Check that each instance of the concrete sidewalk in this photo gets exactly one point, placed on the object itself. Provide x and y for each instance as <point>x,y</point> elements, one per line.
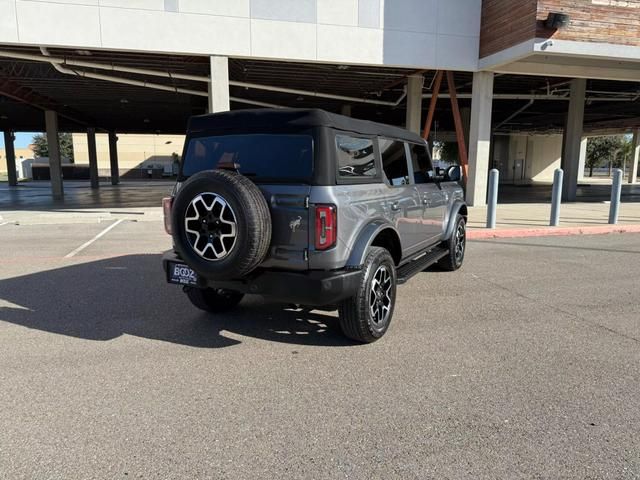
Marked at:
<point>513,220</point>
<point>532,219</point>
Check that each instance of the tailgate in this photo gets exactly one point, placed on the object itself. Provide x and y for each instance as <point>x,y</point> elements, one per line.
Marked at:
<point>290,226</point>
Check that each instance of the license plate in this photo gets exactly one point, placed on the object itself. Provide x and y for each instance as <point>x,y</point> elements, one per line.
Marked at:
<point>181,274</point>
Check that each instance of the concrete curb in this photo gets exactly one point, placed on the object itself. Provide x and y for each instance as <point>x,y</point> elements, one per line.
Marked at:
<point>480,234</point>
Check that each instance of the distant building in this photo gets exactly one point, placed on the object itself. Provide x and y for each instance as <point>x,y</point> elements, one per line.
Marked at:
<point>137,154</point>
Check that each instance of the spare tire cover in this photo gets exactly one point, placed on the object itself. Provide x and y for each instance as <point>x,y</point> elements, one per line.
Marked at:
<point>221,224</point>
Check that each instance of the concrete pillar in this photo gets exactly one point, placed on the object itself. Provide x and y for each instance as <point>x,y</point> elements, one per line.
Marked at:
<point>219,85</point>
<point>414,103</point>
<point>55,161</point>
<point>583,158</point>
<point>635,157</point>
<point>480,138</point>
<point>113,158</point>
<point>573,139</point>
<point>11,158</point>
<point>93,158</point>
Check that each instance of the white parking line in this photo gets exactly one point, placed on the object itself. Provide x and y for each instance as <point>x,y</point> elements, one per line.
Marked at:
<point>101,234</point>
<point>4,223</point>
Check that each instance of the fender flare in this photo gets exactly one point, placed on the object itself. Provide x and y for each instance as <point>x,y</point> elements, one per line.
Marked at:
<point>455,209</point>
<point>365,238</point>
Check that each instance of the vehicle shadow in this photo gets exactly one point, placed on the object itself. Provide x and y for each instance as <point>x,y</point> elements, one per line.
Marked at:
<point>102,300</point>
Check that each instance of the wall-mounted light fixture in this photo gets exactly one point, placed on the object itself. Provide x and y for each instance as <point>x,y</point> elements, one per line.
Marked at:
<point>556,20</point>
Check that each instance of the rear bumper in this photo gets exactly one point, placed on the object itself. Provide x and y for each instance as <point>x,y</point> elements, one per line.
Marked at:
<point>313,288</point>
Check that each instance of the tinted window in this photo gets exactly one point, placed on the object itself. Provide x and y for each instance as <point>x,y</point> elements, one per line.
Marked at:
<point>355,157</point>
<point>421,163</point>
<point>259,156</point>
<point>394,162</point>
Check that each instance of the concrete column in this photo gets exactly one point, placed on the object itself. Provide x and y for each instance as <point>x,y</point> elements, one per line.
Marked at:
<point>573,139</point>
<point>414,103</point>
<point>93,158</point>
<point>583,157</point>
<point>219,85</point>
<point>635,157</point>
<point>480,138</point>
<point>113,158</point>
<point>11,158</point>
<point>55,162</point>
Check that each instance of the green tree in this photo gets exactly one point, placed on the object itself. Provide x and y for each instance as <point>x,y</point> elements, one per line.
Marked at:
<point>41,146</point>
<point>449,152</point>
<point>605,150</point>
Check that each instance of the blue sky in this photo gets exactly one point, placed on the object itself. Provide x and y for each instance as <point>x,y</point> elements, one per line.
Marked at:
<point>22,139</point>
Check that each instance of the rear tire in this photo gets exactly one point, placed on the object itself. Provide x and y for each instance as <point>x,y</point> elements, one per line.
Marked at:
<point>366,316</point>
<point>457,246</point>
<point>213,300</point>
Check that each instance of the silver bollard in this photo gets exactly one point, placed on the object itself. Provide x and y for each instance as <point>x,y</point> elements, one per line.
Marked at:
<point>492,204</point>
<point>616,190</point>
<point>556,197</point>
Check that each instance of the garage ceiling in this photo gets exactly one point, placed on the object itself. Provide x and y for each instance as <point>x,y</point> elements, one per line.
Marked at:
<point>28,87</point>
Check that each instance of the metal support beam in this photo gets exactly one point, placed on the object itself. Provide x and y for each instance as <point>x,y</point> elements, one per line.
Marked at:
<point>113,158</point>
<point>55,161</point>
<point>11,158</point>
<point>437,83</point>
<point>465,113</point>
<point>457,120</point>
<point>219,85</point>
<point>414,102</point>
<point>480,138</point>
<point>573,139</point>
<point>93,158</point>
<point>635,157</point>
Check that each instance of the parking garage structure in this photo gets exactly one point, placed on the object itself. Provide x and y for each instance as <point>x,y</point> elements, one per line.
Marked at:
<point>526,86</point>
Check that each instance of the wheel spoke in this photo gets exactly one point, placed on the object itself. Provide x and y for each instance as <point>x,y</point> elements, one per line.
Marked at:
<point>211,226</point>
<point>380,296</point>
<point>460,241</point>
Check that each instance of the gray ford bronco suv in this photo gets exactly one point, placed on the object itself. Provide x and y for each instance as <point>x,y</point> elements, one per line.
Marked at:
<point>309,208</point>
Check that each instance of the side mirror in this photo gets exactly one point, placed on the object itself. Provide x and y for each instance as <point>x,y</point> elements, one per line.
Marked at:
<point>454,173</point>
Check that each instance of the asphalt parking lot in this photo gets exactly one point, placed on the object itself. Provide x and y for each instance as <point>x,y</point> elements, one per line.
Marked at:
<point>524,364</point>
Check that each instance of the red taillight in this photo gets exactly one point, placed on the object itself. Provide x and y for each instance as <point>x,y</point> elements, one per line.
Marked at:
<point>166,210</point>
<point>326,226</point>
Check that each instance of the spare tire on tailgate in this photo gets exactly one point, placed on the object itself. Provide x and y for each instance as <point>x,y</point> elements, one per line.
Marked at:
<point>221,224</point>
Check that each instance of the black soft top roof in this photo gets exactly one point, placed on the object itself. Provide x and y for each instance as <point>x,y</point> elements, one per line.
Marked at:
<point>252,120</point>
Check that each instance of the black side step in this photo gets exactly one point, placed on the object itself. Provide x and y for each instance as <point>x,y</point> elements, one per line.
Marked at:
<point>421,262</point>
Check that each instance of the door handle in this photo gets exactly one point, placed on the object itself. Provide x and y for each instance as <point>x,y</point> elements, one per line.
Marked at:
<point>395,206</point>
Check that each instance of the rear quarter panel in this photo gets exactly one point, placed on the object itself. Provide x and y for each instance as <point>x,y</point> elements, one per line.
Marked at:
<point>358,206</point>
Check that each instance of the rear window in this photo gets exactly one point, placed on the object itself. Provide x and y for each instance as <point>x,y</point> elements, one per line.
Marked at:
<point>355,157</point>
<point>272,156</point>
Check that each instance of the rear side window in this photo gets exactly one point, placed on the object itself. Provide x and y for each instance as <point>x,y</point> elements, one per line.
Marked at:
<point>260,156</point>
<point>356,158</point>
<point>421,162</point>
<point>394,162</point>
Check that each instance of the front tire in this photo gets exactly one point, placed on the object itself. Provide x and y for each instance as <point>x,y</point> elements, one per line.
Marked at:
<point>457,246</point>
<point>366,316</point>
<point>213,300</point>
